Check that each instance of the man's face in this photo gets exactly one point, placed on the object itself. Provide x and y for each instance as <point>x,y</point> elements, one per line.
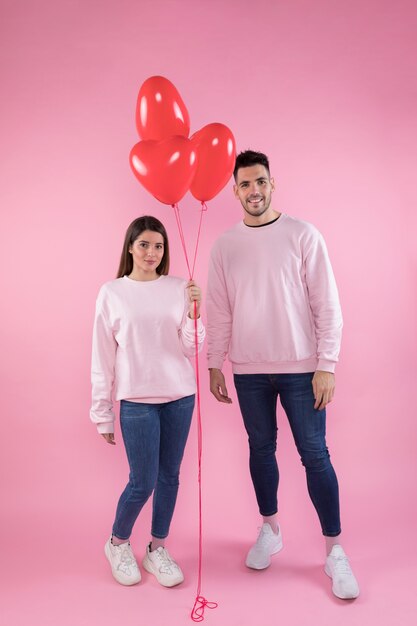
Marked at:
<point>254,189</point>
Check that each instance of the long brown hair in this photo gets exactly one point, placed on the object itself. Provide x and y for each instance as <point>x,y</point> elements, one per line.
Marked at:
<point>146,222</point>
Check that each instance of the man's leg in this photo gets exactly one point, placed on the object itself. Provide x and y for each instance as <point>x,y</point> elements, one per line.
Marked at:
<point>258,400</point>
<point>308,426</point>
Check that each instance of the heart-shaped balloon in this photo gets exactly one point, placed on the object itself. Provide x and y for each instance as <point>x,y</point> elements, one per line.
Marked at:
<point>165,168</point>
<point>216,152</point>
<point>160,110</point>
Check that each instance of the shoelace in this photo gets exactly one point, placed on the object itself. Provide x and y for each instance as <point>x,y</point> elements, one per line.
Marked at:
<point>126,558</point>
<point>342,565</point>
<point>263,536</point>
<point>166,564</point>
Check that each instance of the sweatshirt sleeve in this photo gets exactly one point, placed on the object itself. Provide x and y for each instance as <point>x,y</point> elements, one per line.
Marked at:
<point>187,331</point>
<point>102,369</point>
<point>324,302</point>
<point>219,314</point>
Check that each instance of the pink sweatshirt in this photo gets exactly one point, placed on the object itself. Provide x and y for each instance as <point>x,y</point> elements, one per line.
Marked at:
<point>141,343</point>
<point>272,300</point>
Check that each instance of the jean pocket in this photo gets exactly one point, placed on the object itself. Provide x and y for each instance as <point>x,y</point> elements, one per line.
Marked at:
<point>186,402</point>
<point>129,410</point>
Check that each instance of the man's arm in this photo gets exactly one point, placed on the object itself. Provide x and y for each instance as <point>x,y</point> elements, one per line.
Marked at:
<point>327,316</point>
<point>219,326</point>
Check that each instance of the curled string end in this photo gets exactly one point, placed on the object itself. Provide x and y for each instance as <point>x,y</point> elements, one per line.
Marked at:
<point>197,614</point>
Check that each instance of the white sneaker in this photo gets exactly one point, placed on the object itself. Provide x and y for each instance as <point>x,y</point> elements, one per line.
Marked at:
<point>345,585</point>
<point>159,563</point>
<point>267,543</point>
<point>123,563</point>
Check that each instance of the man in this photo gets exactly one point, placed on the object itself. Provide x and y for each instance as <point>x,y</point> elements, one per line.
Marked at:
<point>273,308</point>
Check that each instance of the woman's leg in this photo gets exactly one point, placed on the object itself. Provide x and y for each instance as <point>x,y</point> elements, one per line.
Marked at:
<point>175,420</point>
<point>141,436</point>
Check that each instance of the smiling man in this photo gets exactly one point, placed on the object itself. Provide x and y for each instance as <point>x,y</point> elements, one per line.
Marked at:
<point>273,309</point>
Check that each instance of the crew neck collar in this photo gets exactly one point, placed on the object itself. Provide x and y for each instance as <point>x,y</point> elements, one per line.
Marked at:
<point>144,282</point>
<point>262,225</point>
<point>276,220</point>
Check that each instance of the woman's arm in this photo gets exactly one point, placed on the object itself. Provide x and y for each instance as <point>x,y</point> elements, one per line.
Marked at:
<point>187,331</point>
<point>102,369</point>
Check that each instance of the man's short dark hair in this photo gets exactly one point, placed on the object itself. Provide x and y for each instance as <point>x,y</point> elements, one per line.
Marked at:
<point>249,158</point>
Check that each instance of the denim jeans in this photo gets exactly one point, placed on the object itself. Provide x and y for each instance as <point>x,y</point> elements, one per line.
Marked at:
<point>257,394</point>
<point>154,436</point>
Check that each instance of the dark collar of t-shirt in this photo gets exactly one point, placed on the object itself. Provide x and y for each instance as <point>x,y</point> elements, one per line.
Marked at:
<point>260,225</point>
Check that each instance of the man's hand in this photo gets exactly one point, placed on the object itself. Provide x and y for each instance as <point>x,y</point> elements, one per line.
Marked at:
<point>109,437</point>
<point>218,386</point>
<point>323,388</point>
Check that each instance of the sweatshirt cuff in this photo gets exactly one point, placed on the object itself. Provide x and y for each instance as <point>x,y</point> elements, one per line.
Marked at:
<point>326,366</point>
<point>189,323</point>
<point>105,427</point>
<point>216,362</point>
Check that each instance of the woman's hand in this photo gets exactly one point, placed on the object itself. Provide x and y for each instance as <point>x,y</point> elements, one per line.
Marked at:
<point>109,437</point>
<point>194,293</point>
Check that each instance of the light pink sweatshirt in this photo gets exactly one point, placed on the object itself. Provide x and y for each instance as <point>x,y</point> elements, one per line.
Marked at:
<point>272,300</point>
<point>141,343</point>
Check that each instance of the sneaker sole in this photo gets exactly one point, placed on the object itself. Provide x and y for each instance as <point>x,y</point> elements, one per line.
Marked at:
<point>121,582</point>
<point>277,549</point>
<point>150,568</point>
<point>329,574</point>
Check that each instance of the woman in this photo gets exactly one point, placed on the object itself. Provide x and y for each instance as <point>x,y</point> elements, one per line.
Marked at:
<point>144,332</point>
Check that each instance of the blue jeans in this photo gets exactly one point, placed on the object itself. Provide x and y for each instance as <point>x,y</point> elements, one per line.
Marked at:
<point>257,394</point>
<point>154,436</point>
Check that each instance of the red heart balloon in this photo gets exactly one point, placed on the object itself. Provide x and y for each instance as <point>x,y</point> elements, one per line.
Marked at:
<point>165,168</point>
<point>216,152</point>
<point>160,110</point>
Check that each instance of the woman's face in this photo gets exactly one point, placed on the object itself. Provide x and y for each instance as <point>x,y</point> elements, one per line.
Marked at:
<point>147,252</point>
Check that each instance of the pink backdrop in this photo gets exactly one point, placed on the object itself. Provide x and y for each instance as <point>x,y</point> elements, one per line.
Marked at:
<point>328,90</point>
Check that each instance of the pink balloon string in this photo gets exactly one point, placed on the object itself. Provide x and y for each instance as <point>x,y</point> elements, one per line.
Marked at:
<point>182,238</point>
<point>197,613</point>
